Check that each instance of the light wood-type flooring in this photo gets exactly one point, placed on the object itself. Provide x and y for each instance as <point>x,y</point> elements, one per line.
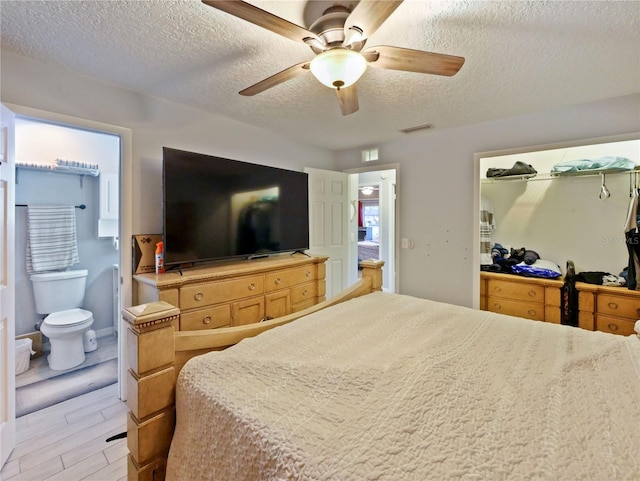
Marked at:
<point>67,441</point>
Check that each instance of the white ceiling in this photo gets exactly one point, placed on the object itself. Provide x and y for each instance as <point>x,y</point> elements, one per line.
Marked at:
<point>521,56</point>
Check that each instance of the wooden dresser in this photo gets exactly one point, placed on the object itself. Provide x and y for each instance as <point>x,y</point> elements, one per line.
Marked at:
<point>236,293</point>
<point>601,308</point>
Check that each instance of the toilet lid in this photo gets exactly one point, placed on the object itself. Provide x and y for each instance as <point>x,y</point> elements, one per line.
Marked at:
<point>70,317</point>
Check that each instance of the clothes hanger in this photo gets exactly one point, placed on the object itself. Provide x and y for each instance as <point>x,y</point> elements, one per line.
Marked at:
<point>604,192</point>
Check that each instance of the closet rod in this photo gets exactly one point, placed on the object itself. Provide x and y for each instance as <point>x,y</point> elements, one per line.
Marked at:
<point>81,206</point>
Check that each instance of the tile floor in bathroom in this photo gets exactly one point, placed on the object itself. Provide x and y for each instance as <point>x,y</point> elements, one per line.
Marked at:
<point>67,441</point>
<point>39,368</point>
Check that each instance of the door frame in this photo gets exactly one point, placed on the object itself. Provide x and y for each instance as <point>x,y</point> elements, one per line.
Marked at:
<point>396,225</point>
<point>126,214</point>
<point>7,286</point>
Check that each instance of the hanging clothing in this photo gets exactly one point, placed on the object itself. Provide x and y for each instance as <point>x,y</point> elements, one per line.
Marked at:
<point>487,226</point>
<point>632,238</point>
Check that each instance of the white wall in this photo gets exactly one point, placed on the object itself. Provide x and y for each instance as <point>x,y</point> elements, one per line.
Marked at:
<point>563,218</point>
<point>439,191</point>
<point>155,123</point>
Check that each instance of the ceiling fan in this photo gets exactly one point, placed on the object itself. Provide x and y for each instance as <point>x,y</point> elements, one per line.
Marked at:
<point>338,38</point>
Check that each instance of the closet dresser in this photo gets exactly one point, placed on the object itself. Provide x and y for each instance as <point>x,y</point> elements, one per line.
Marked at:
<point>236,293</point>
<point>601,308</point>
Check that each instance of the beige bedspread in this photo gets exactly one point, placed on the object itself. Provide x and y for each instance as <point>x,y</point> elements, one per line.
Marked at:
<point>390,387</point>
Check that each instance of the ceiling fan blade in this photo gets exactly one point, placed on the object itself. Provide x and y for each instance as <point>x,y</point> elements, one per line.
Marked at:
<point>348,99</point>
<point>264,19</point>
<point>280,77</point>
<point>366,18</point>
<point>398,58</point>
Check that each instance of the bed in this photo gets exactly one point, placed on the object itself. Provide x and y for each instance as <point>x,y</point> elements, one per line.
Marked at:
<point>392,387</point>
<point>368,250</point>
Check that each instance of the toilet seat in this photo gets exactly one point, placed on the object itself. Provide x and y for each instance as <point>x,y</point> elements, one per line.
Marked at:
<point>68,318</point>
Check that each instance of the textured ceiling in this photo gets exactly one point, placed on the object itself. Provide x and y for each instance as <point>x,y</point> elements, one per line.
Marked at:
<point>521,56</point>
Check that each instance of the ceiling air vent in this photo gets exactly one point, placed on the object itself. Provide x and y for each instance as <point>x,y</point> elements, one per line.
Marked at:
<point>410,130</point>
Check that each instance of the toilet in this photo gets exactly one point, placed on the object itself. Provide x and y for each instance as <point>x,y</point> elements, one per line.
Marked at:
<point>59,296</point>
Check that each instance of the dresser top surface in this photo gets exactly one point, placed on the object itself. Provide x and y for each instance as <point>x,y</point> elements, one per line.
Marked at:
<point>223,270</point>
<point>558,282</point>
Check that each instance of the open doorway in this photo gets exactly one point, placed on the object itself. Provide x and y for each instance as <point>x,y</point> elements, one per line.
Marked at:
<point>111,283</point>
<point>58,167</point>
<point>374,197</point>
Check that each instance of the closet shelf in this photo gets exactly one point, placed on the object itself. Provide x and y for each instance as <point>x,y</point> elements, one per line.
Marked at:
<point>550,176</point>
<point>60,169</point>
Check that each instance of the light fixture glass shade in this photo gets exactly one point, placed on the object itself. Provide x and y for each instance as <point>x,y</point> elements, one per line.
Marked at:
<point>367,190</point>
<point>338,68</point>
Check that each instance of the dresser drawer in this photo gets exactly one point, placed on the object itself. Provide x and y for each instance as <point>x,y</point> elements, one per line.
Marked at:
<point>303,292</point>
<point>552,314</point>
<point>290,277</point>
<point>618,306</point>
<point>527,310</point>
<point>207,318</point>
<point>217,292</point>
<point>517,291</point>
<point>303,305</point>
<point>614,325</point>
<point>552,296</point>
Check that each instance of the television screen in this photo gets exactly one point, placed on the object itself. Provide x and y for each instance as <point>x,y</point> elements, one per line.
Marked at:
<point>216,208</point>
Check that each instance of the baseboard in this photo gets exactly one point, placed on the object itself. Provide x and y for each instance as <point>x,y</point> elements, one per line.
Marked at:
<point>107,331</point>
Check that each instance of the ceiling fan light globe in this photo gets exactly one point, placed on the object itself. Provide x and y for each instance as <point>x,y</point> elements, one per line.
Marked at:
<point>338,68</point>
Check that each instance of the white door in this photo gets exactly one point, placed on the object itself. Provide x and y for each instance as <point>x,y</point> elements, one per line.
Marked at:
<point>328,224</point>
<point>7,288</point>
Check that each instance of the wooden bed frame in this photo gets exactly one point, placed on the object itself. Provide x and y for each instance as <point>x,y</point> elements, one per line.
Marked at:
<point>156,353</point>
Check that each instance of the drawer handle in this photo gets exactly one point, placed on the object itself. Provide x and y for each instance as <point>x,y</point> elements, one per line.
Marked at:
<point>532,312</point>
<point>305,292</point>
<point>252,287</point>
<point>497,289</point>
<point>497,306</point>
<point>532,293</point>
<point>308,273</point>
<point>206,320</point>
<point>278,281</point>
<point>199,296</point>
<point>612,326</point>
<point>613,305</point>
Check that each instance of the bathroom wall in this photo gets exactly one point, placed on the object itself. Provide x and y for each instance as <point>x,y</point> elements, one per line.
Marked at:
<point>42,143</point>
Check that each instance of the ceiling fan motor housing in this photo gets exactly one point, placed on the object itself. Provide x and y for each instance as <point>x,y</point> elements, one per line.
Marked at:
<point>330,27</point>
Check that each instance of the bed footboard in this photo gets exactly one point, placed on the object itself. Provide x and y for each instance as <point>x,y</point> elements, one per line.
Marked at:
<point>156,352</point>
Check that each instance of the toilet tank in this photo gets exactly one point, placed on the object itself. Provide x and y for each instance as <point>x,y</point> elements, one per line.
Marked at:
<point>58,291</point>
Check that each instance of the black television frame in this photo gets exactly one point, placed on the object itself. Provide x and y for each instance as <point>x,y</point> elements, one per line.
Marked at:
<point>200,192</point>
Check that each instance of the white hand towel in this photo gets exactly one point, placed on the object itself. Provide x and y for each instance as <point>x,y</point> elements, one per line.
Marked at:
<point>51,238</point>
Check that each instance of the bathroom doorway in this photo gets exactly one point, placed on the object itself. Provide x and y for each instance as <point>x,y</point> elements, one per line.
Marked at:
<point>47,138</point>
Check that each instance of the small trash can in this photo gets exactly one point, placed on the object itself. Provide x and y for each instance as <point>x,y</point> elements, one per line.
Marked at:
<point>89,341</point>
<point>23,354</point>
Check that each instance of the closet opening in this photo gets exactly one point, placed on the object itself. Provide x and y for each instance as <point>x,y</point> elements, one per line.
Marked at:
<point>563,202</point>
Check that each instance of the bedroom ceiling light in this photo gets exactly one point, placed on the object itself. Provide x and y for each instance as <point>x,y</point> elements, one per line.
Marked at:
<point>338,67</point>
<point>367,190</point>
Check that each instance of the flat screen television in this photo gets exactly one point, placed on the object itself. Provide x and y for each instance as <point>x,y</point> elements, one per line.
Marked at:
<point>216,208</point>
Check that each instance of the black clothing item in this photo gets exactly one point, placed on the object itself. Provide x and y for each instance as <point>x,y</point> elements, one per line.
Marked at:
<point>592,277</point>
<point>530,257</point>
<point>569,298</point>
<point>519,168</point>
<point>633,246</point>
